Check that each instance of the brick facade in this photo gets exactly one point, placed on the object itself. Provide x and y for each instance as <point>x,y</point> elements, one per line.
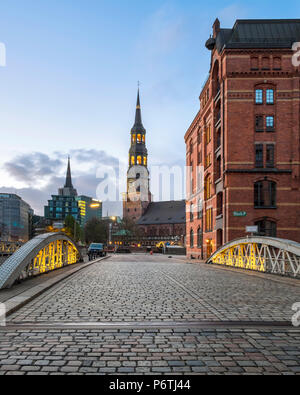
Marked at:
<point>246,136</point>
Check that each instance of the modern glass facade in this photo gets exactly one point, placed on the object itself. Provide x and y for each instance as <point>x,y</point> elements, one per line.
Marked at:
<point>60,207</point>
<point>15,218</point>
<point>67,202</point>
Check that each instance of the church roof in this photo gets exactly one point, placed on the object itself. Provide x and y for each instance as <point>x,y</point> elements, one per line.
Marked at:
<point>259,33</point>
<point>172,212</point>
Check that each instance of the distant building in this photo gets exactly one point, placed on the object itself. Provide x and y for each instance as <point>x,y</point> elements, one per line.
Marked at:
<point>157,221</point>
<point>15,218</point>
<point>67,202</point>
<point>89,208</point>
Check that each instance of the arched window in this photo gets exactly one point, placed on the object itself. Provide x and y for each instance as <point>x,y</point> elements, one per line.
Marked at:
<point>192,208</point>
<point>145,161</point>
<point>265,63</point>
<point>208,188</point>
<point>200,208</point>
<point>277,63</point>
<point>192,238</point>
<point>199,237</point>
<point>267,228</point>
<point>139,160</point>
<point>139,138</point>
<point>133,138</point>
<point>144,138</point>
<point>265,194</point>
<point>254,63</point>
<point>133,160</point>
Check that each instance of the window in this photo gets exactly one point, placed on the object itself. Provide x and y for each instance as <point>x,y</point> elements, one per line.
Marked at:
<point>259,96</point>
<point>199,139</point>
<point>265,194</point>
<point>199,238</point>
<point>267,228</point>
<point>270,96</point>
<point>208,160</point>
<point>220,204</point>
<point>209,220</point>
<point>145,161</point>
<point>218,172</point>
<point>133,160</point>
<point>254,63</point>
<point>266,63</point>
<point>133,138</point>
<point>192,238</point>
<point>270,155</point>
<point>199,157</point>
<point>259,123</point>
<point>139,160</point>
<point>139,138</point>
<point>192,213</point>
<point>200,209</point>
<point>270,122</point>
<point>259,155</point>
<point>208,188</point>
<point>208,134</point>
<point>277,63</point>
<point>144,139</point>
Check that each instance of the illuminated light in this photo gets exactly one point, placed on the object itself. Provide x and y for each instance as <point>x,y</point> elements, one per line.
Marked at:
<point>54,256</point>
<point>95,205</point>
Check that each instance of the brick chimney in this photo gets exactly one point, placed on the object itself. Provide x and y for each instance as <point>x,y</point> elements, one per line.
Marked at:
<point>216,28</point>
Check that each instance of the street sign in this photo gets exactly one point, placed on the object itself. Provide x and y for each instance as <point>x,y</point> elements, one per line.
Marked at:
<point>251,229</point>
<point>239,214</point>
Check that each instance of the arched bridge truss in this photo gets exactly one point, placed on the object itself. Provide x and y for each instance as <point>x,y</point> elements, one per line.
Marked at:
<point>263,254</point>
<point>40,255</point>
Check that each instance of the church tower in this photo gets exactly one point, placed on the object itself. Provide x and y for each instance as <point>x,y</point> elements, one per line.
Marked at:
<point>138,196</point>
<point>68,189</point>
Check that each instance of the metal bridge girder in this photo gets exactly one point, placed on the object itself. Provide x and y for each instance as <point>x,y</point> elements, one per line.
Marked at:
<point>265,254</point>
<point>40,255</point>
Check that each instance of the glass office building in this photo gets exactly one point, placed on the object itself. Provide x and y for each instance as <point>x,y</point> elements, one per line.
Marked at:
<point>67,202</point>
<point>15,218</point>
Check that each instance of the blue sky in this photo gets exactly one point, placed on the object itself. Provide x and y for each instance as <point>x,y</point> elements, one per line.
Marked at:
<point>69,86</point>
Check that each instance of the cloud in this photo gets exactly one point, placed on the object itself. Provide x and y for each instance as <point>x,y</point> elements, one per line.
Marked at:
<point>41,175</point>
<point>29,167</point>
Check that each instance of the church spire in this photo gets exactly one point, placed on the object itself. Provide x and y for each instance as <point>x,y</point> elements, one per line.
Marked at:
<point>68,189</point>
<point>138,125</point>
<point>68,183</point>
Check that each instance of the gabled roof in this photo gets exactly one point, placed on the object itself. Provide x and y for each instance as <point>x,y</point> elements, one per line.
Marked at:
<point>260,33</point>
<point>172,212</point>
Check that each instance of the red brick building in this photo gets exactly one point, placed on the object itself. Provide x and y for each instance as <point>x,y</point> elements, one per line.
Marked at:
<point>246,137</point>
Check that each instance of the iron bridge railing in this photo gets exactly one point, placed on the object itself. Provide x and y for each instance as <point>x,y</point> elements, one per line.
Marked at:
<point>263,254</point>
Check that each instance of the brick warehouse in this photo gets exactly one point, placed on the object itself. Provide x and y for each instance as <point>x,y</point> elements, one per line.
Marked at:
<point>246,138</point>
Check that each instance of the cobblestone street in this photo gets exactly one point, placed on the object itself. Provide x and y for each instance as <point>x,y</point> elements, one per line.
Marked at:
<point>142,314</point>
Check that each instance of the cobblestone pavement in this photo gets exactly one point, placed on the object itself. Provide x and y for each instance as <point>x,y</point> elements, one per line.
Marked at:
<point>144,288</point>
<point>191,304</point>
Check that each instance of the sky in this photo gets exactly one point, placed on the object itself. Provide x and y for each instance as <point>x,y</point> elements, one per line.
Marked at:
<point>70,83</point>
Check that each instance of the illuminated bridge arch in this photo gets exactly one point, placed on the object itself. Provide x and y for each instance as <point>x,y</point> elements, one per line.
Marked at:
<point>264,254</point>
<point>42,254</point>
